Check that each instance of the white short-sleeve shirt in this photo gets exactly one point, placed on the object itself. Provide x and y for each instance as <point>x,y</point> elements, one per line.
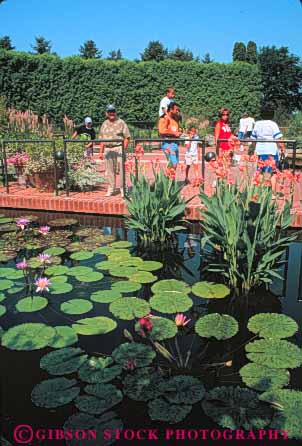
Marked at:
<point>163,104</point>
<point>266,130</point>
<point>246,124</point>
<point>192,146</point>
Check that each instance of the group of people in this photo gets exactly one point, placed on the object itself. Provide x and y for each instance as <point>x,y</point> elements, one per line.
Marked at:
<point>263,132</point>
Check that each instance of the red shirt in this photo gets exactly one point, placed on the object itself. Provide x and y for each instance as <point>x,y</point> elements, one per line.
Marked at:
<point>225,132</point>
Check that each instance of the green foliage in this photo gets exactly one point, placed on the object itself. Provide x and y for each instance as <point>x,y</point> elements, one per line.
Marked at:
<point>156,210</point>
<point>41,45</point>
<point>162,410</point>
<point>239,52</point>
<point>30,336</point>
<point>142,354</point>
<point>263,378</point>
<point>63,361</point>
<point>171,303</point>
<point>219,326</point>
<point>97,370</point>
<point>107,397</point>
<point>143,384</point>
<point>55,392</point>
<point>274,353</point>
<point>31,304</point>
<point>251,52</point>
<point>89,50</point>
<point>94,325</point>
<point>64,337</point>
<point>84,87</point>
<point>162,329</point>
<point>154,51</point>
<point>129,308</point>
<point>76,306</point>
<point>6,43</point>
<point>210,290</point>
<point>181,54</point>
<point>272,325</point>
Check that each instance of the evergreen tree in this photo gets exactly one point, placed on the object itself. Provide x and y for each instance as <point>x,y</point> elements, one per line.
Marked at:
<point>207,58</point>
<point>6,43</point>
<point>89,50</point>
<point>181,54</point>
<point>115,55</point>
<point>251,52</point>
<point>42,45</point>
<point>154,51</point>
<point>239,52</point>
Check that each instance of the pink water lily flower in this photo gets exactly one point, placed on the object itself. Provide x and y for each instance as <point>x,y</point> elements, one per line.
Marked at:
<point>44,230</point>
<point>44,258</point>
<point>22,265</point>
<point>22,222</point>
<point>42,284</point>
<point>181,320</point>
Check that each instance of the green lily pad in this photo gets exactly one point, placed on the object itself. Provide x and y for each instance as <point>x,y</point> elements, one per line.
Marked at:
<point>210,290</point>
<point>219,326</point>
<point>105,296</point>
<point>79,271</point>
<point>95,405</point>
<point>161,410</point>
<point>263,378</point>
<point>31,304</point>
<point>150,265</point>
<point>2,297</point>
<point>120,254</point>
<point>123,271</point>
<point>82,255</point>
<point>162,329</point>
<point>62,222</point>
<point>126,286</point>
<point>108,393</point>
<point>94,325</point>
<point>121,244</point>
<point>274,353</point>
<point>55,251</point>
<point>287,406</point>
<point>11,273</point>
<point>64,337</point>
<point>63,361</point>
<point>6,256</point>
<point>15,289</point>
<point>272,325</point>
<point>105,250</point>
<point>141,354</point>
<point>143,277</point>
<point>60,288</point>
<point>93,276</point>
<point>97,370</point>
<point>182,389</point>
<point>56,270</point>
<point>54,392</point>
<point>143,384</point>
<point>236,408</point>
<point>2,310</point>
<point>4,220</point>
<point>9,227</point>
<point>30,336</point>
<point>5,284</point>
<point>133,261</point>
<point>129,308</point>
<point>4,271</point>
<point>56,280</point>
<point>76,306</point>
<point>88,232</point>
<point>170,302</point>
<point>171,286</point>
<point>106,265</point>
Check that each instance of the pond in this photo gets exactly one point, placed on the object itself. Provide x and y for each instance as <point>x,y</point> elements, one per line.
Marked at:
<point>94,268</point>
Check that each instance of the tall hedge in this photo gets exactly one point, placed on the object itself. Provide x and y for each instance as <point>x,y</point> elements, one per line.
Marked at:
<point>77,87</point>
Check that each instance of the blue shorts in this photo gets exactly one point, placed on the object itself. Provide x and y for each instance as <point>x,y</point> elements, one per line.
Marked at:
<point>241,135</point>
<point>173,153</point>
<point>265,158</point>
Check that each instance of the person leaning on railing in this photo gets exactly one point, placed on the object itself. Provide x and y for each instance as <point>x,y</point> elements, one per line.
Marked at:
<point>113,128</point>
<point>168,127</point>
<point>89,132</point>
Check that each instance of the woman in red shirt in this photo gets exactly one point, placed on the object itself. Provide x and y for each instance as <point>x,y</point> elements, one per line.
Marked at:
<point>223,130</point>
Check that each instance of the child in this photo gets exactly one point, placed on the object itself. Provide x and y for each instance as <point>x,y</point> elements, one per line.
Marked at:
<point>191,156</point>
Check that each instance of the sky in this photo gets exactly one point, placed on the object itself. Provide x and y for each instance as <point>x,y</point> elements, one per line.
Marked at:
<point>200,26</point>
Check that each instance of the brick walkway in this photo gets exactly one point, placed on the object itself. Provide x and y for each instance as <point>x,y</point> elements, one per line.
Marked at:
<point>95,202</point>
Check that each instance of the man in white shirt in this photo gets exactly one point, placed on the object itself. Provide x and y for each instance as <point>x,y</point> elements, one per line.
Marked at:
<point>166,101</point>
<point>246,125</point>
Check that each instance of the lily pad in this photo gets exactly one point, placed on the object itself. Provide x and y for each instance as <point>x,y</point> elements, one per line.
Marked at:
<point>2,310</point>
<point>8,255</point>
<point>95,405</point>
<point>9,227</point>
<point>126,286</point>
<point>108,393</point>
<point>79,271</point>
<point>4,220</point>
<point>63,361</point>
<point>263,378</point>
<point>15,289</point>
<point>272,325</point>
<point>161,410</point>
<point>30,336</point>
<point>54,251</point>
<point>219,326</point>
<point>55,392</point>
<point>106,265</point>
<point>143,277</point>
<point>94,325</point>
<point>182,389</point>
<point>88,232</point>
<point>162,329</point>
<point>274,353</point>
<point>133,261</point>
<point>105,296</point>
<point>287,406</point>
<point>210,290</point>
<point>2,297</point>
<point>171,286</point>
<point>124,271</point>
<point>5,284</point>
<point>170,302</point>
<point>236,408</point>
<point>11,273</point>
<point>62,222</point>
<point>129,308</point>
<point>64,337</point>
<point>31,304</point>
<point>76,306</point>
<point>150,265</point>
<point>142,355</point>
<point>56,280</point>
<point>121,244</point>
<point>105,250</point>
<point>56,270</point>
<point>97,370</point>
<point>142,384</point>
<point>93,276</point>
<point>82,255</point>
<point>60,288</point>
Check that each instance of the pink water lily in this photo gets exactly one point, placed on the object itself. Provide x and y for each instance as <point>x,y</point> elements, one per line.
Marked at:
<point>44,230</point>
<point>44,258</point>
<point>130,365</point>
<point>22,265</point>
<point>42,284</point>
<point>181,320</point>
<point>22,222</point>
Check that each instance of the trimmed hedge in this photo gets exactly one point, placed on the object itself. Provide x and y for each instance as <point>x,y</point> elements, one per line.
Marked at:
<point>79,87</point>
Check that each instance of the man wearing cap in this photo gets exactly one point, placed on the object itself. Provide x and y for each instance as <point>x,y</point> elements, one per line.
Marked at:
<point>113,128</point>
<point>87,130</point>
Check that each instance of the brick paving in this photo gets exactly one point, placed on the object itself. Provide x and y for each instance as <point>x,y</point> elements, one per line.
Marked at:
<point>96,202</point>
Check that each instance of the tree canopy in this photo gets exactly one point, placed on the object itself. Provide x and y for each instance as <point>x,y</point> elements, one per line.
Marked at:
<point>89,50</point>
